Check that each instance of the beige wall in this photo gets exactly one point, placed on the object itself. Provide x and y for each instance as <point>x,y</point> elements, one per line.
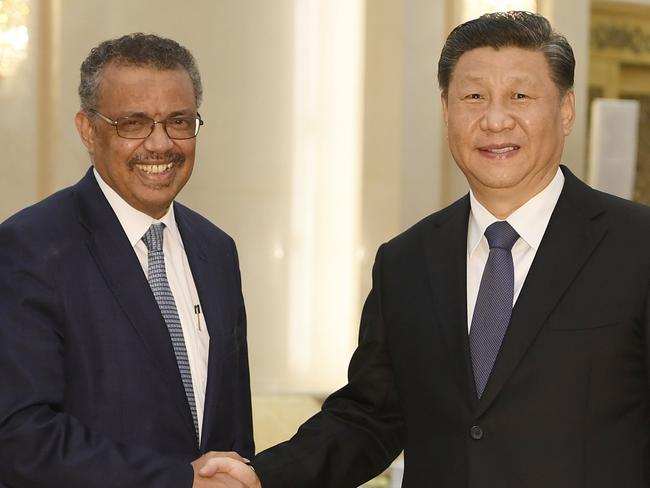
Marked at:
<point>403,178</point>
<point>241,179</point>
<point>571,18</point>
<point>18,130</point>
<point>245,178</point>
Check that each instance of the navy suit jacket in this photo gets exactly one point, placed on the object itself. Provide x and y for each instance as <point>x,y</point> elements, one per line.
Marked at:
<point>90,393</point>
<point>568,401</point>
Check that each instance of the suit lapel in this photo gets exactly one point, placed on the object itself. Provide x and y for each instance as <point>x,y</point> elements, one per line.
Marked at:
<point>446,254</point>
<point>572,235</point>
<point>209,275</point>
<point>123,273</point>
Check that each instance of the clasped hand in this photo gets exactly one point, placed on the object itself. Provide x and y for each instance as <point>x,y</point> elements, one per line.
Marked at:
<point>223,470</point>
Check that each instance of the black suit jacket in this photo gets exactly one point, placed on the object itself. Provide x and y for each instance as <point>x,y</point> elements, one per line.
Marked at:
<point>567,404</point>
<point>90,393</point>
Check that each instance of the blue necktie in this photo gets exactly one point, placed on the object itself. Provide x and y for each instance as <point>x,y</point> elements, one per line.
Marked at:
<point>153,239</point>
<point>493,303</point>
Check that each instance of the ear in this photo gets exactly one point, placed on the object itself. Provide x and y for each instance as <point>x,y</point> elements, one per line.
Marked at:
<point>445,113</point>
<point>86,130</point>
<point>568,111</point>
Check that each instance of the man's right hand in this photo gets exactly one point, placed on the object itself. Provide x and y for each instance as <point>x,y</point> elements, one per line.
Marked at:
<point>228,469</point>
<point>213,474</point>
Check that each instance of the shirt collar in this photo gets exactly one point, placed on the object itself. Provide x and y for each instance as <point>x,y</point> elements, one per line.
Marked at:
<point>134,222</point>
<point>529,220</point>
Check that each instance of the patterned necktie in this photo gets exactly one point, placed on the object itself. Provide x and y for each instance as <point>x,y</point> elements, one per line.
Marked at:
<point>153,239</point>
<point>493,303</point>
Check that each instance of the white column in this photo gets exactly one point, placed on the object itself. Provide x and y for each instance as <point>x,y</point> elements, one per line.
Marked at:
<point>326,192</point>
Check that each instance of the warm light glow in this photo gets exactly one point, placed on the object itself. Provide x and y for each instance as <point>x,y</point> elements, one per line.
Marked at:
<point>14,35</point>
<point>325,196</point>
<point>475,8</point>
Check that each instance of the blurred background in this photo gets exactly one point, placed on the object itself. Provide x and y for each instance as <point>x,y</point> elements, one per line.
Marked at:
<point>323,139</point>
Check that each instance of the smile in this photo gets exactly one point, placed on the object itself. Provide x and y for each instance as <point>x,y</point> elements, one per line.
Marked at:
<point>500,150</point>
<point>154,168</point>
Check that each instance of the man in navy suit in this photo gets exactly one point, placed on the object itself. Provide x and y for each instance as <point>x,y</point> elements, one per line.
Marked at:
<point>505,341</point>
<point>123,356</point>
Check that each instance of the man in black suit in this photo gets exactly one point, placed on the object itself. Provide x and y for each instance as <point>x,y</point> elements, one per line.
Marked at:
<point>505,339</point>
<point>123,357</point>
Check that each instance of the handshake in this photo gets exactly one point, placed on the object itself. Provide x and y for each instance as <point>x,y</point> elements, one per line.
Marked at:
<point>224,470</point>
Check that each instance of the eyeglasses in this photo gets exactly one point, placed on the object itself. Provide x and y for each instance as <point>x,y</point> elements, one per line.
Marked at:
<point>141,127</point>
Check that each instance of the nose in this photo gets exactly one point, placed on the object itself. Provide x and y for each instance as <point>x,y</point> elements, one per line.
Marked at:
<point>158,140</point>
<point>497,117</point>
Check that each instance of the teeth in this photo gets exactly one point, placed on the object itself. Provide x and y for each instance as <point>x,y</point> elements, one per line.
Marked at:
<point>502,150</point>
<point>154,168</point>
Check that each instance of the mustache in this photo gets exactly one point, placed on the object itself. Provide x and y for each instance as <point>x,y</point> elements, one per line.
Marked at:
<point>157,158</point>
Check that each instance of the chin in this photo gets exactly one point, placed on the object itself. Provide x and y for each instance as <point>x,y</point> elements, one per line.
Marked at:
<point>499,182</point>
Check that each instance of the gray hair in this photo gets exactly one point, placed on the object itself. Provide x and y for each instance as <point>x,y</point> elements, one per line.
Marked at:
<point>136,49</point>
<point>509,29</point>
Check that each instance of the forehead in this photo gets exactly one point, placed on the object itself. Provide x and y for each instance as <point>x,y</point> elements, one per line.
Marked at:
<point>487,64</point>
<point>129,83</point>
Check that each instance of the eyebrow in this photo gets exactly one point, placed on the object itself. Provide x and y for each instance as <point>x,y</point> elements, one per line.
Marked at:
<point>175,113</point>
<point>182,113</point>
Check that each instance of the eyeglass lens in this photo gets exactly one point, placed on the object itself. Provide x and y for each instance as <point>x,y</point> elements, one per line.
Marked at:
<point>142,127</point>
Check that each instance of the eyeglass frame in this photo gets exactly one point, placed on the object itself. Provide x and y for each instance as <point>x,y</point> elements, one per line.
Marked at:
<point>114,123</point>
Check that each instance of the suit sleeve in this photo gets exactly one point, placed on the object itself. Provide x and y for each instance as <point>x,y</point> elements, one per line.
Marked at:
<point>359,430</point>
<point>40,444</point>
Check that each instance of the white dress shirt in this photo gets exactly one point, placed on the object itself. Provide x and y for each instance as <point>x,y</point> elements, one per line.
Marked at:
<point>181,282</point>
<point>529,220</point>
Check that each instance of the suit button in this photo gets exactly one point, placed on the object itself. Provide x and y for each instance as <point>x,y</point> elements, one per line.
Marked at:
<point>476,432</point>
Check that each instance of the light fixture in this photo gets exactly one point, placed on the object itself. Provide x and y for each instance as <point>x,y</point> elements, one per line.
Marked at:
<point>14,35</point>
